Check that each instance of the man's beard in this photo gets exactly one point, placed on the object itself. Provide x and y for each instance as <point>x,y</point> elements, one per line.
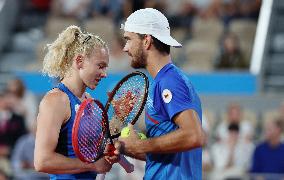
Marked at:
<point>139,60</point>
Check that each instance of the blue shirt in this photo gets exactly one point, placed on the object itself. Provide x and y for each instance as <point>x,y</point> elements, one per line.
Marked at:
<point>171,93</point>
<point>64,145</point>
<point>267,159</point>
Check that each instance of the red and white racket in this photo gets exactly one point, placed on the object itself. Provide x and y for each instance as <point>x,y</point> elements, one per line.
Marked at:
<point>90,134</point>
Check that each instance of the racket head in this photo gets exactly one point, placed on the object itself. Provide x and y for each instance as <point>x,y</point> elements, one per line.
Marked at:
<point>90,131</point>
<point>126,101</point>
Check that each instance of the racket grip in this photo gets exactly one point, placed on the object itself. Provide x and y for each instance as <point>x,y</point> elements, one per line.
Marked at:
<point>127,166</point>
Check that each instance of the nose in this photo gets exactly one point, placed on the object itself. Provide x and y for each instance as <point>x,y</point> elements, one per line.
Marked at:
<point>125,48</point>
<point>104,74</point>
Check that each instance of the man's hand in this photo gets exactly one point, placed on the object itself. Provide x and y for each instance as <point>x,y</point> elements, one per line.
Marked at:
<point>129,144</point>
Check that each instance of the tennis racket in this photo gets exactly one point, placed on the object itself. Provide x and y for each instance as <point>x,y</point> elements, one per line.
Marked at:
<point>90,134</point>
<point>126,102</point>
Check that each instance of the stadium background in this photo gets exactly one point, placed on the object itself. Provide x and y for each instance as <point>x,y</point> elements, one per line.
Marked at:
<point>233,53</point>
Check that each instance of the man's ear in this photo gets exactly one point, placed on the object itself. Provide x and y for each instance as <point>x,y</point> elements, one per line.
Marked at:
<point>147,41</point>
<point>79,61</point>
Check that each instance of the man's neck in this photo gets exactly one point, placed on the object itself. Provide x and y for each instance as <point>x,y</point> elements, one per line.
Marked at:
<point>274,142</point>
<point>156,61</point>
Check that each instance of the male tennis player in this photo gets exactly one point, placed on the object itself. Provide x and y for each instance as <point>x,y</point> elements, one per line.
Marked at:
<point>79,60</point>
<point>173,109</point>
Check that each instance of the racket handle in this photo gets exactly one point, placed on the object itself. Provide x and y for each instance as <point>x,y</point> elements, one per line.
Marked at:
<point>127,166</point>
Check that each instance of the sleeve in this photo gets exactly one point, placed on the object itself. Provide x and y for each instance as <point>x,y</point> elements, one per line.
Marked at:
<point>175,96</point>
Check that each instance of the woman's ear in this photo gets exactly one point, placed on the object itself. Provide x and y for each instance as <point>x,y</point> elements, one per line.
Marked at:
<point>79,61</point>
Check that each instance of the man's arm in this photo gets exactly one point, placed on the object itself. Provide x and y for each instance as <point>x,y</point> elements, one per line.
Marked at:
<point>53,111</point>
<point>188,136</point>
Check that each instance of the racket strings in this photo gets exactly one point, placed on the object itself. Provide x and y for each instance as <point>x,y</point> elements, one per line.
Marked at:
<point>126,103</point>
<point>92,132</point>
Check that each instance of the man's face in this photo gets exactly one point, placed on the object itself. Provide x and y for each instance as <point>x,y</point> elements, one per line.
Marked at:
<point>134,48</point>
<point>271,131</point>
<point>234,114</point>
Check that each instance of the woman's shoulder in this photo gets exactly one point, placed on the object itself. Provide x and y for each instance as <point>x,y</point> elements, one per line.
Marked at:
<point>55,104</point>
<point>55,96</point>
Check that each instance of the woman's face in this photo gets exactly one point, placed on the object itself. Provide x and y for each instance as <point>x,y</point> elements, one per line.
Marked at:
<point>94,67</point>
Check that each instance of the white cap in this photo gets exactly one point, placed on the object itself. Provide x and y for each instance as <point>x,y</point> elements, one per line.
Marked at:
<point>153,22</point>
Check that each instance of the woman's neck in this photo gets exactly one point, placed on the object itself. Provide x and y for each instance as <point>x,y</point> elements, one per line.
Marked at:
<point>75,85</point>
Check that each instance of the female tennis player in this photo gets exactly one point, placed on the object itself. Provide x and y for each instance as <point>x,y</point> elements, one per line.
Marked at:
<point>79,60</point>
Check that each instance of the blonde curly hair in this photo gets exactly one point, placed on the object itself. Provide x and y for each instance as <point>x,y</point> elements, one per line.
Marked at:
<point>70,42</point>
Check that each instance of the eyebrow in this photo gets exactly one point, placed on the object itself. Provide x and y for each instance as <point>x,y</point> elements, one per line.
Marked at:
<point>127,37</point>
<point>103,63</point>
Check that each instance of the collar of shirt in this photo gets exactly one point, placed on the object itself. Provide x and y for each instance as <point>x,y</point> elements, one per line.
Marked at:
<point>162,71</point>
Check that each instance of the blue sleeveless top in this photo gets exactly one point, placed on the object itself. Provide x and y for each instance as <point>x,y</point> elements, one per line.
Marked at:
<point>64,145</point>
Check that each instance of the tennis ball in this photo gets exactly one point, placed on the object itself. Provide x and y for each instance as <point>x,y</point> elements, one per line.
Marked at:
<point>142,136</point>
<point>125,132</point>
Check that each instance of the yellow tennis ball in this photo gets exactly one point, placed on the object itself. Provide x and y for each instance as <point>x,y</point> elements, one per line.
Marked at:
<point>125,132</point>
<point>142,136</point>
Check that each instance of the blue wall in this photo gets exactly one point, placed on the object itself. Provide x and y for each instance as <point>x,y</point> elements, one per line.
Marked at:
<point>205,83</point>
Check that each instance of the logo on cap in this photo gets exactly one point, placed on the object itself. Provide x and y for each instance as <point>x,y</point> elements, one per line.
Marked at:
<point>167,95</point>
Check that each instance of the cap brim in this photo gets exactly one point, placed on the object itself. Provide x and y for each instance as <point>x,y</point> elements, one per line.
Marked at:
<point>168,40</point>
<point>164,39</point>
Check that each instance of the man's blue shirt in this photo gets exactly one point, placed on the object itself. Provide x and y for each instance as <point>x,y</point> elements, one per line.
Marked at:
<point>171,93</point>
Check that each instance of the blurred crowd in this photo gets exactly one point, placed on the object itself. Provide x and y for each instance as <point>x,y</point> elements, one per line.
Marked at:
<point>216,34</point>
<point>242,143</point>
<point>18,108</point>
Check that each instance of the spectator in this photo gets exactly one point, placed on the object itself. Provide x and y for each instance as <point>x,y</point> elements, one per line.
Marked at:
<point>231,55</point>
<point>12,125</point>
<point>231,156</point>
<point>268,155</point>
<point>235,116</point>
<point>11,128</point>
<point>25,103</point>
<point>22,158</point>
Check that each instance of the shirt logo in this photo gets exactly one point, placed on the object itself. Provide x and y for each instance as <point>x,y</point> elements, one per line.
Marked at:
<point>167,95</point>
<point>76,107</point>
